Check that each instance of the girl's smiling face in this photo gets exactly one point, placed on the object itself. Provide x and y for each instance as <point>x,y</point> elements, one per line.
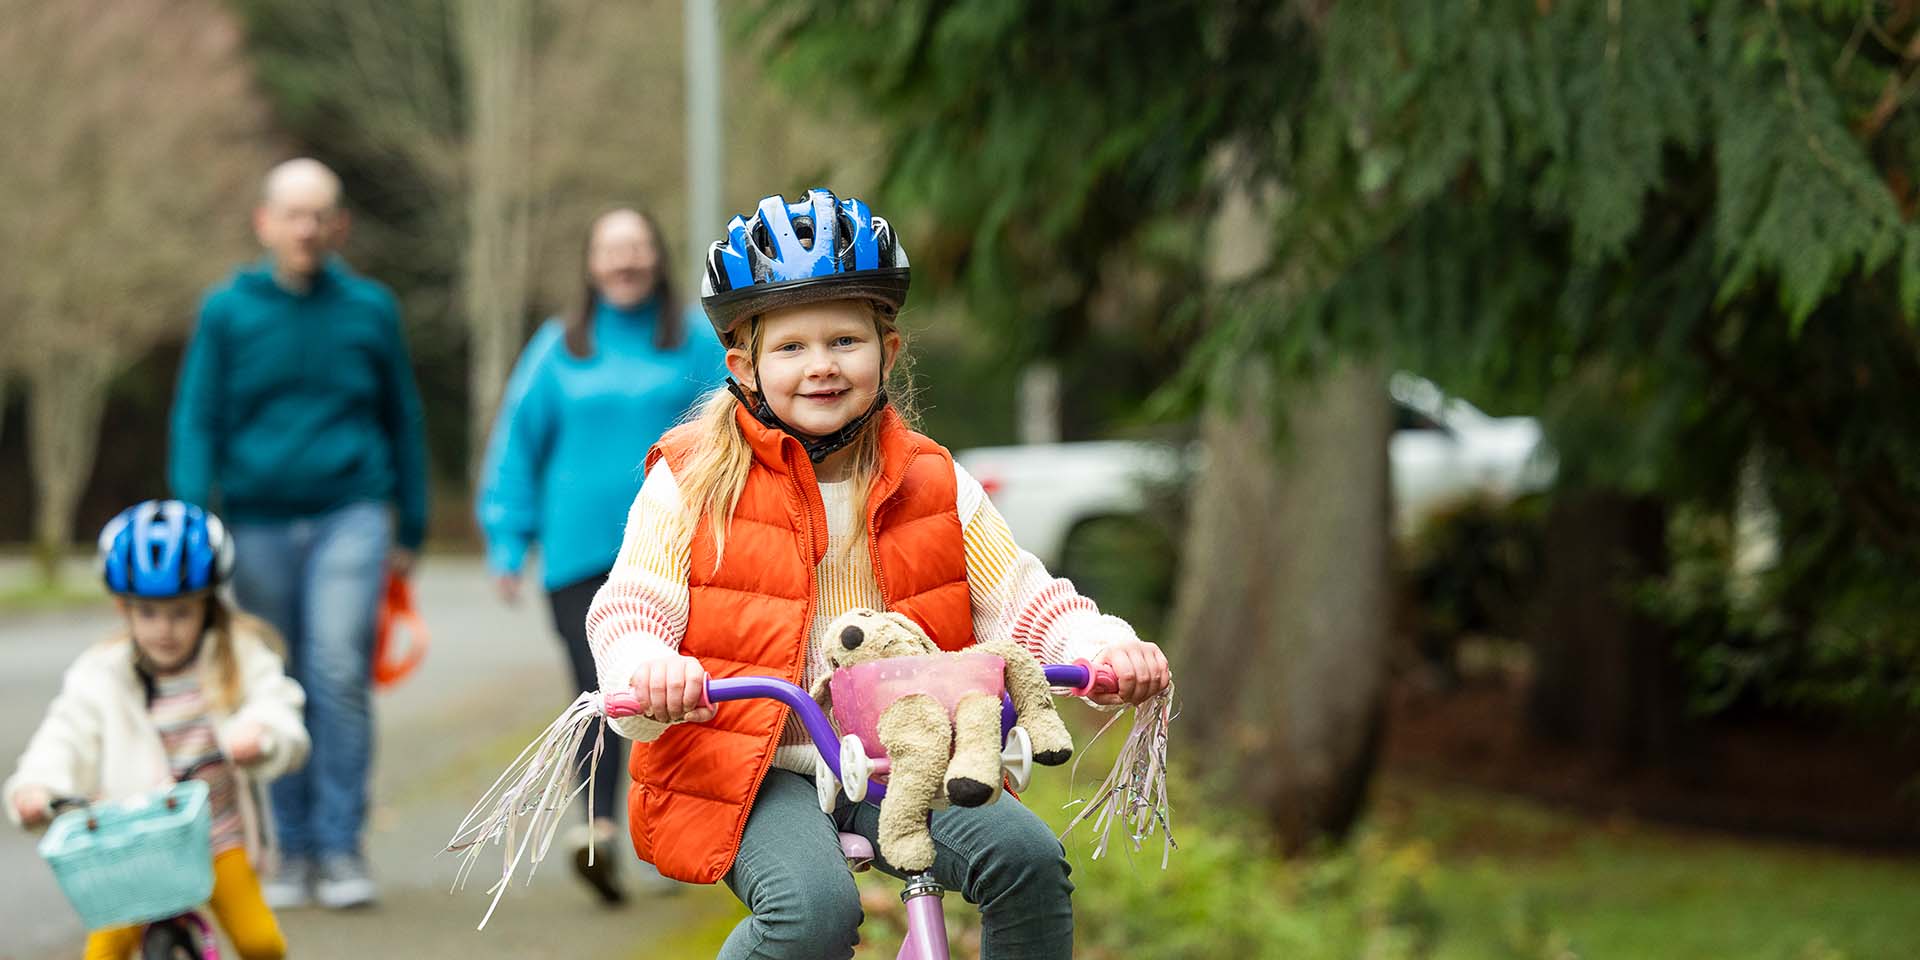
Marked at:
<point>166,631</point>
<point>820,365</point>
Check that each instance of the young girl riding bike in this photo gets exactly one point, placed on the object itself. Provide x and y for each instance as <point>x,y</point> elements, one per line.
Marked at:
<point>190,681</point>
<point>794,495</point>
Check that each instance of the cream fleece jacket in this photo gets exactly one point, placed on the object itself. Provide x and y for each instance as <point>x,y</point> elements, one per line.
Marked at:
<point>98,741</point>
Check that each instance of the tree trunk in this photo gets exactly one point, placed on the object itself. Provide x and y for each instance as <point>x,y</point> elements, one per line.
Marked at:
<point>496,45</point>
<point>64,404</point>
<point>1604,673</point>
<point>1282,617</point>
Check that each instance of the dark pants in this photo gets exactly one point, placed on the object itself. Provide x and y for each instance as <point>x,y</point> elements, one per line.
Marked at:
<point>794,881</point>
<point>569,604</point>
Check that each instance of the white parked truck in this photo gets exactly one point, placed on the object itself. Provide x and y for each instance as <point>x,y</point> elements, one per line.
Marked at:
<point>1442,450</point>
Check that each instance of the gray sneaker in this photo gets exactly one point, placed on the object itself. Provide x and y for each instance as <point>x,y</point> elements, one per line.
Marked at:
<point>291,886</point>
<point>342,882</point>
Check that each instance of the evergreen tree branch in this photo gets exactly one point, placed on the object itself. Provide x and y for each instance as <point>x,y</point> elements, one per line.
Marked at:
<point>1903,13</point>
<point>1894,94</point>
<point>1802,112</point>
<point>1861,28</point>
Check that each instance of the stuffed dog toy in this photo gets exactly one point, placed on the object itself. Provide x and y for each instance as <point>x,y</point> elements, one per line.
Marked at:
<point>934,752</point>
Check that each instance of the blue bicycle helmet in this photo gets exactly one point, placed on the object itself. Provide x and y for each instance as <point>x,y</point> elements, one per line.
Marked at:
<point>164,548</point>
<point>819,248</point>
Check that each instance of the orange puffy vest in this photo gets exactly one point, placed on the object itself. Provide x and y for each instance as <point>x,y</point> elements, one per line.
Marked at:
<point>693,787</point>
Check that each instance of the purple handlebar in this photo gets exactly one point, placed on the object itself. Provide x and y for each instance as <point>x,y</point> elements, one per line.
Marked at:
<point>1078,678</point>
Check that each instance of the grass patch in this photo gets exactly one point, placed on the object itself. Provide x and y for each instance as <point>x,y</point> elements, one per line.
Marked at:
<point>715,912</point>
<point>1438,873</point>
<point>70,593</point>
<point>1622,889</point>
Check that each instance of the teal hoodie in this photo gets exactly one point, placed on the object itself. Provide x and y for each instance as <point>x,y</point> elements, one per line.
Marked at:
<point>569,447</point>
<point>290,405</point>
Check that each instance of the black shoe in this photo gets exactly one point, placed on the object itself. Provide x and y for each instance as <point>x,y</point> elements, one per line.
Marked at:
<point>600,874</point>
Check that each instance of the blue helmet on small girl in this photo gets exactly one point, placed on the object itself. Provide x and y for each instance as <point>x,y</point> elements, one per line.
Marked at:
<point>161,549</point>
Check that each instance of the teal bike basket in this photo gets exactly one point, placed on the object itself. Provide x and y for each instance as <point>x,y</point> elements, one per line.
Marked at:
<point>134,861</point>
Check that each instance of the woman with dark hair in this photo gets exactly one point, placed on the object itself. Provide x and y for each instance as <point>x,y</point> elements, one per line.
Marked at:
<point>590,394</point>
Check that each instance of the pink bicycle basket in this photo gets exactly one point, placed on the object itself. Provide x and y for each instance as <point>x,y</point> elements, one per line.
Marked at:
<point>863,691</point>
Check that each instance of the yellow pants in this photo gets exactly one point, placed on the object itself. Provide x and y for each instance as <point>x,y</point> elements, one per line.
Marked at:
<point>236,904</point>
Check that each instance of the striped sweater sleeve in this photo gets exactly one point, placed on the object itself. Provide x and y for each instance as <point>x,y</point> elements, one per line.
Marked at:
<point>1015,598</point>
<point>640,613</point>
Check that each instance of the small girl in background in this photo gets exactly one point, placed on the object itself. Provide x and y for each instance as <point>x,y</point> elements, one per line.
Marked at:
<point>795,495</point>
<point>192,686</point>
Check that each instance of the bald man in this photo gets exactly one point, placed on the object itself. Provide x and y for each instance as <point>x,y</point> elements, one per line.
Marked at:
<point>296,416</point>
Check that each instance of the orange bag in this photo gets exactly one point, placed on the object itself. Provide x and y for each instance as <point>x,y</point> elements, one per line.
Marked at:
<point>393,663</point>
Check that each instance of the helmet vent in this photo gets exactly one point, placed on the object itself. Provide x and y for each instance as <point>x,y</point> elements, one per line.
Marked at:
<point>762,240</point>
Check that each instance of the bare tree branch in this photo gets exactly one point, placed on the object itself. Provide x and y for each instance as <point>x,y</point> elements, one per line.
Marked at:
<point>134,139</point>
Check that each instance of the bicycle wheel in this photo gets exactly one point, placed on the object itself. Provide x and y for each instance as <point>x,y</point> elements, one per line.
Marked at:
<point>169,940</point>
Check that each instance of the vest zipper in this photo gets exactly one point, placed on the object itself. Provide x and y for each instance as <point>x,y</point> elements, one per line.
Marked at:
<point>809,492</point>
<point>806,620</point>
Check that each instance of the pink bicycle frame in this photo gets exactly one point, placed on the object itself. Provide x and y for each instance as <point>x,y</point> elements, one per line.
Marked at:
<point>926,937</point>
<point>202,931</point>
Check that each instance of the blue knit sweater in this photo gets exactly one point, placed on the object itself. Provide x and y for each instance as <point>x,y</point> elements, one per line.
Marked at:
<point>567,453</point>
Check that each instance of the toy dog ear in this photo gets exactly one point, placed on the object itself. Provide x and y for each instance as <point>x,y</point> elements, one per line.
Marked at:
<point>822,693</point>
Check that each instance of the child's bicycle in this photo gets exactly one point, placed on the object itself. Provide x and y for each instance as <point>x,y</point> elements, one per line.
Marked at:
<point>844,766</point>
<point>522,809</point>
<point>140,861</point>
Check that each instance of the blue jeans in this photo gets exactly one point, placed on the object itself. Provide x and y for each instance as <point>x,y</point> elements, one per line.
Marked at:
<point>792,877</point>
<point>319,581</point>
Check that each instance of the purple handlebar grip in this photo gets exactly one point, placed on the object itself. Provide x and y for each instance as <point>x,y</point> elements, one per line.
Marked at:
<point>1073,675</point>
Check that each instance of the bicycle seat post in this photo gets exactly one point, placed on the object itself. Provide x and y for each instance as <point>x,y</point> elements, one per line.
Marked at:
<point>921,885</point>
<point>926,923</point>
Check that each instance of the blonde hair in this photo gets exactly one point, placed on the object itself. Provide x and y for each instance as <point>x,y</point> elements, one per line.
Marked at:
<point>223,682</point>
<point>716,472</point>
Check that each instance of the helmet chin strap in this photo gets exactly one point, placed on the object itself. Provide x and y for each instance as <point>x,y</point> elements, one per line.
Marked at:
<point>817,448</point>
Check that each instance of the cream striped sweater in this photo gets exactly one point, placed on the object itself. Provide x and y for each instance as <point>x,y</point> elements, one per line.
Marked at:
<point>180,713</point>
<point>641,611</point>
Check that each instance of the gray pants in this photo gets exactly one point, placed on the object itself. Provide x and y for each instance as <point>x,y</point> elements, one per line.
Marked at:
<point>792,877</point>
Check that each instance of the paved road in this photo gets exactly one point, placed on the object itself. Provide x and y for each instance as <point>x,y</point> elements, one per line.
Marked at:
<point>494,677</point>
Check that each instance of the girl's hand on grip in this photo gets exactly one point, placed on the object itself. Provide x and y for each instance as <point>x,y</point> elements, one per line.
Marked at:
<point>247,746</point>
<point>671,689</point>
<point>1140,668</point>
<point>33,805</point>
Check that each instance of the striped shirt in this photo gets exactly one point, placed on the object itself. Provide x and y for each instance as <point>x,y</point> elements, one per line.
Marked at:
<point>640,613</point>
<point>179,712</point>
